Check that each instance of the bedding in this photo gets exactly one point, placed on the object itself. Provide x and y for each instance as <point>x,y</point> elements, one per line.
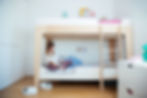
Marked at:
<point>77,21</point>
<point>84,72</point>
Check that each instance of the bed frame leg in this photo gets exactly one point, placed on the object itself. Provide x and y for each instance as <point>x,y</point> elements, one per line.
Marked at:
<point>36,83</point>
<point>101,79</point>
<point>102,87</point>
<point>101,76</point>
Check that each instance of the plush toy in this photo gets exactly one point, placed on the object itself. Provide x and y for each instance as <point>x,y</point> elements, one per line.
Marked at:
<point>83,12</point>
<point>86,12</point>
<point>65,14</point>
<point>144,55</point>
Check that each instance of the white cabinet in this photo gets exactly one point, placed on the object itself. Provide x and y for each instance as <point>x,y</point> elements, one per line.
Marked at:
<point>132,80</point>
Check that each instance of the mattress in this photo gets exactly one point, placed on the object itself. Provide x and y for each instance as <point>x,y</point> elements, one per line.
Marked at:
<point>83,25</point>
<point>84,72</point>
<point>76,21</point>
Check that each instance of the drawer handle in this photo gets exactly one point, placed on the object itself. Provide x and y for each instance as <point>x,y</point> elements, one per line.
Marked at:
<point>130,66</point>
<point>129,91</point>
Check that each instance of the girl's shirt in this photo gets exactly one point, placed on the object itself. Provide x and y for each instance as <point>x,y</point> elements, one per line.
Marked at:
<point>52,59</point>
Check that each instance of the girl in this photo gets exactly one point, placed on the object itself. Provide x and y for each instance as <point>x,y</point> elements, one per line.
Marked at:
<point>53,63</point>
<point>51,59</point>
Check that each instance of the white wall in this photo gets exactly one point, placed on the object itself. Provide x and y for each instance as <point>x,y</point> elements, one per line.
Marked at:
<point>12,41</point>
<point>135,10</point>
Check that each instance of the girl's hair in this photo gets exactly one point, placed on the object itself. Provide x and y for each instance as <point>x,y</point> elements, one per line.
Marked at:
<point>50,44</point>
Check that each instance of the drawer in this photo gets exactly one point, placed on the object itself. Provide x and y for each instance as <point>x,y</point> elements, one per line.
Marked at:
<point>131,72</point>
<point>130,91</point>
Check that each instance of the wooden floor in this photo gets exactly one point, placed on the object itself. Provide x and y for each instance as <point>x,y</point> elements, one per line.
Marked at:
<point>61,90</point>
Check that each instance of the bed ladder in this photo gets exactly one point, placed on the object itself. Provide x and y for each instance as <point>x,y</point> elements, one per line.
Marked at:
<point>101,53</point>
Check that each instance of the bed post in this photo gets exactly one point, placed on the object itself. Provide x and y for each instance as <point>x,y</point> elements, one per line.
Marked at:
<point>120,42</point>
<point>101,69</point>
<point>129,42</point>
<point>37,57</point>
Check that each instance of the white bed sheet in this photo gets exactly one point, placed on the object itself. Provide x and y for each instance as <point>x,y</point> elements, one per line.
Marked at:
<point>78,73</point>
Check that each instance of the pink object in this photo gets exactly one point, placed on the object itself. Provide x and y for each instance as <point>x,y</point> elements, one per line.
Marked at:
<point>112,21</point>
<point>130,91</point>
<point>92,14</point>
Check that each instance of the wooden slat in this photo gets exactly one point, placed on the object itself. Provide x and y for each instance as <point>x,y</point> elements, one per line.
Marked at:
<point>37,57</point>
<point>101,69</point>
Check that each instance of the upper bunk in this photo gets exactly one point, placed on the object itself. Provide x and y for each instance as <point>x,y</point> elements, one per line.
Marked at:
<point>59,27</point>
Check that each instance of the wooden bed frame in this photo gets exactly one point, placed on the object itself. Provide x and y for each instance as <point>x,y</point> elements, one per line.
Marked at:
<point>83,31</point>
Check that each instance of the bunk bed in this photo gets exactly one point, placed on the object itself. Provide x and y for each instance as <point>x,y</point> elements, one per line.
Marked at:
<point>83,28</point>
